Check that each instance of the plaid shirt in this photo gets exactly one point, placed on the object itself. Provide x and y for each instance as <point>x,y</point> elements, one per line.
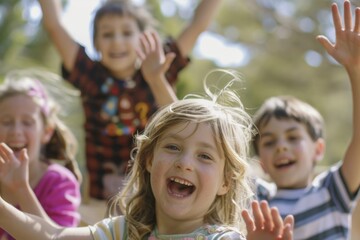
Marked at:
<point>114,110</point>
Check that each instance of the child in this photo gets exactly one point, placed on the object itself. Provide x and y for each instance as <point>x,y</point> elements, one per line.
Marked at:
<point>188,181</point>
<point>31,136</point>
<point>118,97</point>
<point>290,143</point>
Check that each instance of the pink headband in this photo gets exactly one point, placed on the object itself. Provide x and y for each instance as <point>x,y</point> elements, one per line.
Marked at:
<point>37,91</point>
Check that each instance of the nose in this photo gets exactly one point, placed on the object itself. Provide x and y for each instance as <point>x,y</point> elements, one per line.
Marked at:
<point>16,128</point>
<point>120,38</point>
<point>185,162</point>
<point>281,146</point>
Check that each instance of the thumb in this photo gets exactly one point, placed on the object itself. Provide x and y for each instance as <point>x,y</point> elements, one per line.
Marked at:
<point>324,41</point>
<point>24,157</point>
<point>169,58</point>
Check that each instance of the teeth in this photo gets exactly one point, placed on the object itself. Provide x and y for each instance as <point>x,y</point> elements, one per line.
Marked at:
<point>284,161</point>
<point>181,181</point>
<point>17,146</point>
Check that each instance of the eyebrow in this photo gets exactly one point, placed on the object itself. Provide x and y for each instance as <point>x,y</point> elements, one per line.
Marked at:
<point>268,134</point>
<point>179,138</point>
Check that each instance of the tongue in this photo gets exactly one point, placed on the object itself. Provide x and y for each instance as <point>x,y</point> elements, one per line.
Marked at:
<point>180,189</point>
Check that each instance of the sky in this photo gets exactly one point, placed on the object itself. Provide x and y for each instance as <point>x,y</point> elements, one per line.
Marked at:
<point>209,45</point>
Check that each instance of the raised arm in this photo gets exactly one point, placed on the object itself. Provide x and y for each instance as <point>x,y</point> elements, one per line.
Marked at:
<point>346,50</point>
<point>202,18</point>
<point>64,43</point>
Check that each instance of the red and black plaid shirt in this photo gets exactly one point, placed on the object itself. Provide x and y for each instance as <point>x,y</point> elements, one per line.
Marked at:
<point>114,111</point>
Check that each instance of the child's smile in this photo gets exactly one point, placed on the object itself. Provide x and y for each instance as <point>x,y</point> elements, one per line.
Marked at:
<point>180,188</point>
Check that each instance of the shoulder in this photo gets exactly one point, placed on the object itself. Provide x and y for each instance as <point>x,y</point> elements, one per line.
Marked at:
<point>222,232</point>
<point>60,176</point>
<point>108,228</point>
<point>264,189</point>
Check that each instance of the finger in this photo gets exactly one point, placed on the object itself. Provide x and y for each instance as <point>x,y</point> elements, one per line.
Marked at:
<point>250,226</point>
<point>144,44</point>
<point>24,157</point>
<point>324,41</point>
<point>289,220</point>
<point>278,222</point>
<point>140,53</point>
<point>288,232</point>
<point>157,41</point>
<point>336,18</point>
<point>357,20</point>
<point>150,41</point>
<point>169,58</point>
<point>258,217</point>
<point>347,16</point>
<point>268,221</point>
<point>5,152</point>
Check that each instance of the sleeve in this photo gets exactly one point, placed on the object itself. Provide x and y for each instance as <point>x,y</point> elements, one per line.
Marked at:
<point>179,62</point>
<point>83,67</point>
<point>109,229</point>
<point>339,192</point>
<point>59,194</point>
<point>231,235</point>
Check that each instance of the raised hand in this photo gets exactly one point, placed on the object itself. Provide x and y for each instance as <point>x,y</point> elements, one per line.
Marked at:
<point>346,49</point>
<point>154,61</point>
<point>14,171</point>
<point>267,223</point>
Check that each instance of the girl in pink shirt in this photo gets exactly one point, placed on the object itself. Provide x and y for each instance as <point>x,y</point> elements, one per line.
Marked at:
<point>31,136</point>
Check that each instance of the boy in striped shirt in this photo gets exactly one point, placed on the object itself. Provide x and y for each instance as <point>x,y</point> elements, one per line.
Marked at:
<point>290,142</point>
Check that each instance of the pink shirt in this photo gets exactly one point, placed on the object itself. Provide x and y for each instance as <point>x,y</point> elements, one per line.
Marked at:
<point>58,192</point>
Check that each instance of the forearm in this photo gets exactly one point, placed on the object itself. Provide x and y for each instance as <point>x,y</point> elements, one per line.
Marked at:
<point>29,203</point>
<point>204,14</point>
<point>24,226</point>
<point>201,20</point>
<point>51,10</point>
<point>351,163</point>
<point>163,92</point>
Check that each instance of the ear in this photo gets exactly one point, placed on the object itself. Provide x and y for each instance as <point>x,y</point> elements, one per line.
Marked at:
<point>224,188</point>
<point>319,150</point>
<point>47,134</point>
<point>148,164</point>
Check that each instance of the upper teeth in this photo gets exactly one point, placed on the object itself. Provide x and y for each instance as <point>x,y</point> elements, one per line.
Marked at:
<point>181,181</point>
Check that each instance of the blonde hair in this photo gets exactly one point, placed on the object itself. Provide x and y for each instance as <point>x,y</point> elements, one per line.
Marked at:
<point>62,146</point>
<point>231,126</point>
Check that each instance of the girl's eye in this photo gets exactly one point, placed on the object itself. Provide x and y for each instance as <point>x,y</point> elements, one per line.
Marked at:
<point>128,33</point>
<point>6,122</point>
<point>293,138</point>
<point>205,156</point>
<point>28,122</point>
<point>172,147</point>
<point>268,143</point>
<point>107,35</point>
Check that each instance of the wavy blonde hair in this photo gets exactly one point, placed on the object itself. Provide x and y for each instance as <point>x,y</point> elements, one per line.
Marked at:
<point>222,109</point>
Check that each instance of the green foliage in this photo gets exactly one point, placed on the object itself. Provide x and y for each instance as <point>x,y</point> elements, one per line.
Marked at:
<point>277,39</point>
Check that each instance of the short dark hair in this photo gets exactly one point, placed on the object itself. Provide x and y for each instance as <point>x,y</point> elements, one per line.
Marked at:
<point>141,14</point>
<point>288,107</point>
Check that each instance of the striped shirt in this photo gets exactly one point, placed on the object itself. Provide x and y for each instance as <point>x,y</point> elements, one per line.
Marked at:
<point>321,211</point>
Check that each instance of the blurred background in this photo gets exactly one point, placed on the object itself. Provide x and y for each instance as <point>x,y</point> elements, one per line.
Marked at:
<point>270,42</point>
